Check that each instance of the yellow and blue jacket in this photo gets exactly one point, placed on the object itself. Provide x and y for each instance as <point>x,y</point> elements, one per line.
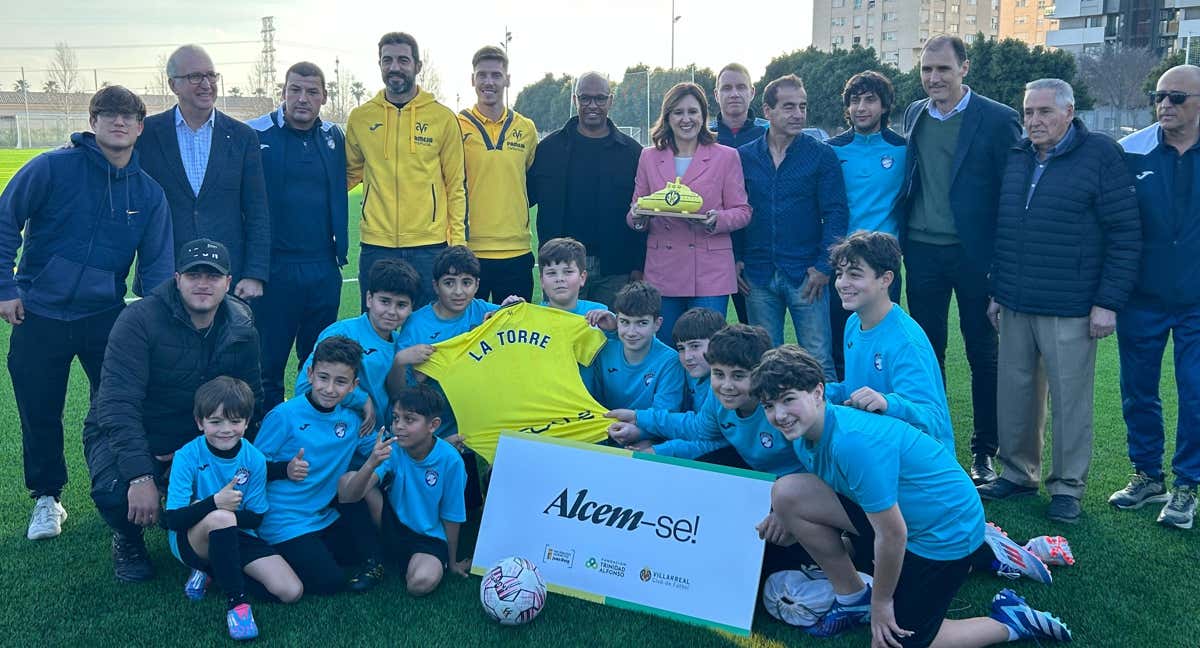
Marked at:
<point>498,154</point>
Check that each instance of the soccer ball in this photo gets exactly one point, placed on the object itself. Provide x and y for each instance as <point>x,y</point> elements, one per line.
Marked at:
<point>799,597</point>
<point>513,591</point>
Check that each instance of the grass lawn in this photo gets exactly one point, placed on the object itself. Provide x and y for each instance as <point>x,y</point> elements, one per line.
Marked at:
<point>1134,583</point>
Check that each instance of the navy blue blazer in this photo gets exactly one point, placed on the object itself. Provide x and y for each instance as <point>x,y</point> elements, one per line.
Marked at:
<point>988,131</point>
<point>232,205</point>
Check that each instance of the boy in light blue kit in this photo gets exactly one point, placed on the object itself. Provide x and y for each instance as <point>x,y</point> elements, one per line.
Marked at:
<point>690,336</point>
<point>562,263</point>
<point>413,484</point>
<point>911,513</point>
<point>730,429</point>
<point>454,312</point>
<point>641,371</point>
<point>309,442</point>
<point>890,365</point>
<point>216,500</point>
<point>392,285</point>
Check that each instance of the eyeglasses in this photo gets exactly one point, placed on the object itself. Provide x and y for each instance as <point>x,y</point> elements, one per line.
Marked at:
<point>112,115</point>
<point>196,78</point>
<point>1177,97</point>
<point>597,100</point>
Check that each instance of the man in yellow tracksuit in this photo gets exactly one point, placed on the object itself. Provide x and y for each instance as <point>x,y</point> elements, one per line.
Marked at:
<point>499,145</point>
<point>406,149</point>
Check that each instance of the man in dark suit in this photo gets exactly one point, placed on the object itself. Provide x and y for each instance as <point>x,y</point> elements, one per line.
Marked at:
<point>209,166</point>
<point>958,142</point>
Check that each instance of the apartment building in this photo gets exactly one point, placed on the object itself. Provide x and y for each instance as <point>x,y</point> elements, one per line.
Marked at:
<point>897,29</point>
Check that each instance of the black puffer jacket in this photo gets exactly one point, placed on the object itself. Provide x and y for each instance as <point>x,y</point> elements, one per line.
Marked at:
<point>154,362</point>
<point>1077,242</point>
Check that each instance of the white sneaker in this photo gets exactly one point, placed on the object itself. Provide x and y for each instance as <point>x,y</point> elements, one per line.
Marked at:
<point>47,519</point>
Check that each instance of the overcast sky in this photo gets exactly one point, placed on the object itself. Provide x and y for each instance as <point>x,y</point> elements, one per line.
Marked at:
<point>122,42</point>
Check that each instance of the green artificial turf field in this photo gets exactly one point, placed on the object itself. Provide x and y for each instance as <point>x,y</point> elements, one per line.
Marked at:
<point>1134,585</point>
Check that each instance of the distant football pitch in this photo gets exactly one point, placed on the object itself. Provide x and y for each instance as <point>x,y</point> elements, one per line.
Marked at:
<point>1134,585</point>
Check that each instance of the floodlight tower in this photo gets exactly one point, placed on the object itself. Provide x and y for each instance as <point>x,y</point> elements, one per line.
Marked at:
<point>268,54</point>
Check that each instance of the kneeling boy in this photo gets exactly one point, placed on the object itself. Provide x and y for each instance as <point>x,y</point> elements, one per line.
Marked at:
<point>309,442</point>
<point>421,506</point>
<point>909,509</point>
<point>216,500</point>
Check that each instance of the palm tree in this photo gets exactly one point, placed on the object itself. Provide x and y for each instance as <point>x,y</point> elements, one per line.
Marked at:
<point>50,86</point>
<point>235,91</point>
<point>358,91</point>
<point>21,86</point>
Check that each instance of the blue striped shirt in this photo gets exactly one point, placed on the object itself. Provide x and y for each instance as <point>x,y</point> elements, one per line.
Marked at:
<point>194,146</point>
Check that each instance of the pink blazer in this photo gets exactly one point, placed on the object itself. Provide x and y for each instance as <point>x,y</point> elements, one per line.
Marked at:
<point>682,259</point>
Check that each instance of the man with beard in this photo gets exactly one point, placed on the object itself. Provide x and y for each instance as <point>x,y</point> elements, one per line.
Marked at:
<point>581,181</point>
<point>161,349</point>
<point>407,151</point>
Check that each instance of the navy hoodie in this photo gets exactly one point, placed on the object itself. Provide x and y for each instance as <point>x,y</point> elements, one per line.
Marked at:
<point>82,220</point>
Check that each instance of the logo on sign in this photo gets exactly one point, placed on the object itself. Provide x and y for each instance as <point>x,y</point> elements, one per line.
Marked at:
<point>563,556</point>
<point>645,574</point>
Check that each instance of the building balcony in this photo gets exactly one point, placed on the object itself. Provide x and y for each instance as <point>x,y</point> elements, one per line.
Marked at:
<point>1075,37</point>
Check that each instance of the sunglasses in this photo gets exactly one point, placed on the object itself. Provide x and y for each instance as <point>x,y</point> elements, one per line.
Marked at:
<point>1177,97</point>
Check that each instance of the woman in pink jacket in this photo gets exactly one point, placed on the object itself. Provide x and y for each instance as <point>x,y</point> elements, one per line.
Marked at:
<point>690,261</point>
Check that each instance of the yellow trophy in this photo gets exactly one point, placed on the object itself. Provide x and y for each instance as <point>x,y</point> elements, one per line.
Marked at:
<point>675,199</point>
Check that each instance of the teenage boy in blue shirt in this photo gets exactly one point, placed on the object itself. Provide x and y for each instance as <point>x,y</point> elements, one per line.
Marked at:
<point>392,285</point>
<point>215,501</point>
<point>912,514</point>
<point>873,162</point>
<point>413,483</point>
<point>309,442</point>
<point>640,372</point>
<point>890,365</point>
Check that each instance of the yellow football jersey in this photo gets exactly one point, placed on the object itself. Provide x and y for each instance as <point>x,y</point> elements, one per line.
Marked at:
<point>519,371</point>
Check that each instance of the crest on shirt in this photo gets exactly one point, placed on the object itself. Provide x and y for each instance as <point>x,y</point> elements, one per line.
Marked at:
<point>878,362</point>
<point>886,161</point>
<point>241,476</point>
<point>766,440</point>
<point>648,378</point>
<point>340,429</point>
<point>329,142</point>
<point>431,477</point>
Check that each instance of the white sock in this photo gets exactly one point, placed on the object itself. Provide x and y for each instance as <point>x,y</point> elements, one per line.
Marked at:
<point>847,599</point>
<point>1012,634</point>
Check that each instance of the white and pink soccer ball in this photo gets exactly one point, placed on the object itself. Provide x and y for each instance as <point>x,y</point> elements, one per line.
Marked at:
<point>513,591</point>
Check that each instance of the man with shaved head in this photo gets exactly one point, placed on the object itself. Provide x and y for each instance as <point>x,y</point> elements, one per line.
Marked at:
<point>210,168</point>
<point>582,180</point>
<point>1165,301</point>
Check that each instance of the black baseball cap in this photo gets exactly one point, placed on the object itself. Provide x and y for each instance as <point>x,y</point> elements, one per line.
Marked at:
<point>203,252</point>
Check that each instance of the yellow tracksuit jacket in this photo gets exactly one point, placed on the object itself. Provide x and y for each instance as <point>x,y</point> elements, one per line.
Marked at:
<point>410,162</point>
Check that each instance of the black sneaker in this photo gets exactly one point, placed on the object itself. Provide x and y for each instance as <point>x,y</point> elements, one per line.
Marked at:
<point>370,576</point>
<point>1064,508</point>
<point>131,561</point>
<point>1004,489</point>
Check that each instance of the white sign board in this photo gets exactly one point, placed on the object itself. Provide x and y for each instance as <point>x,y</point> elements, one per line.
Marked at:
<point>656,534</point>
